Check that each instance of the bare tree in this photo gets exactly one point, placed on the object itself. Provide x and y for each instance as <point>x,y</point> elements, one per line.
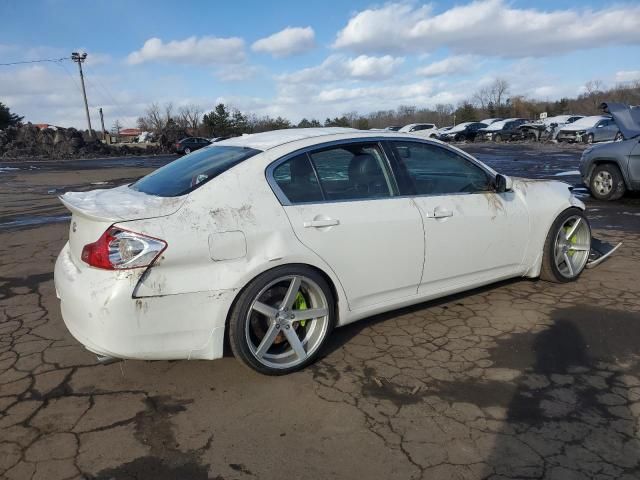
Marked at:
<point>116,127</point>
<point>189,116</point>
<point>156,118</point>
<point>494,94</point>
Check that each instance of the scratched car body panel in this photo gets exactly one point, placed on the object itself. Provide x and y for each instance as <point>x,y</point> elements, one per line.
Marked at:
<point>379,248</point>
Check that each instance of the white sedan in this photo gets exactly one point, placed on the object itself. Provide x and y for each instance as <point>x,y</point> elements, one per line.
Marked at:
<point>271,240</point>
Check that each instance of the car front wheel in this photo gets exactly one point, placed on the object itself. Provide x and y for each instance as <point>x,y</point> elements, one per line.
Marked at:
<point>606,182</point>
<point>566,249</point>
<point>282,319</point>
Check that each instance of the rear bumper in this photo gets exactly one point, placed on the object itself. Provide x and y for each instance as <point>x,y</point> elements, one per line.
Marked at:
<point>99,311</point>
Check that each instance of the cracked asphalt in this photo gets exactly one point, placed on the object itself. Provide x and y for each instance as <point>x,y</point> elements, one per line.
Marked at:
<point>522,379</point>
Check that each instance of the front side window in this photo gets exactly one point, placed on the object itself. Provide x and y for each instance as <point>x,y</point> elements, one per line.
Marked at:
<point>427,169</point>
<point>352,172</point>
<point>190,172</point>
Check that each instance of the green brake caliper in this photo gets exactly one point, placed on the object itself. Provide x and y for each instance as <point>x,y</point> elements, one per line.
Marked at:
<point>300,304</point>
<point>572,240</point>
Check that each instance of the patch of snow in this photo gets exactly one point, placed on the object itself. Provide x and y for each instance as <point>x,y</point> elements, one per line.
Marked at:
<point>567,174</point>
<point>8,169</point>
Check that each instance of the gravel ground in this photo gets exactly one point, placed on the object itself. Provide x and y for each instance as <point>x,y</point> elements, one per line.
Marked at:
<point>523,379</point>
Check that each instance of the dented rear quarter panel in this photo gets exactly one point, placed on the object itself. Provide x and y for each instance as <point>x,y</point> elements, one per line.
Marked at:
<point>237,206</point>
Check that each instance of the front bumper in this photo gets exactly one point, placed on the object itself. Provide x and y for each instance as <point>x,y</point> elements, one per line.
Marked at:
<point>99,311</point>
<point>569,137</point>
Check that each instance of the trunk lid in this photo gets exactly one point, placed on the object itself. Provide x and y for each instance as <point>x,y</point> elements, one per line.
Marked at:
<point>96,210</point>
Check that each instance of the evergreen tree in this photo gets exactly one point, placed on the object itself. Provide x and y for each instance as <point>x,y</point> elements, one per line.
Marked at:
<point>8,119</point>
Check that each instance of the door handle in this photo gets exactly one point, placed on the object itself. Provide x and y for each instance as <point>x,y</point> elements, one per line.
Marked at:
<point>442,213</point>
<point>321,223</point>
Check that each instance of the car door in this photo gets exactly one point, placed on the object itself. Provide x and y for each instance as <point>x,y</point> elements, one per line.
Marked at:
<point>472,234</point>
<point>604,130</point>
<point>634,165</point>
<point>342,204</point>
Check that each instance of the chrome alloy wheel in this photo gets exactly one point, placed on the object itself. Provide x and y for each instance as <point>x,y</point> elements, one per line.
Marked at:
<point>603,182</point>
<point>572,246</point>
<point>287,321</point>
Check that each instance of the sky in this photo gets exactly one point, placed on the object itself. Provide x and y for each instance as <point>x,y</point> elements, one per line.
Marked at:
<point>304,59</point>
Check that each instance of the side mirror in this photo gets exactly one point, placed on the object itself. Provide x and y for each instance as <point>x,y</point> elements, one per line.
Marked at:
<point>503,183</point>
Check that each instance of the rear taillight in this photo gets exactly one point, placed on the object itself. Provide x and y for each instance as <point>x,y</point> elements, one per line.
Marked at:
<point>119,249</point>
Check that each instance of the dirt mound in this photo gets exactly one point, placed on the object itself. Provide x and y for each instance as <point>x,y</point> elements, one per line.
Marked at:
<point>29,141</point>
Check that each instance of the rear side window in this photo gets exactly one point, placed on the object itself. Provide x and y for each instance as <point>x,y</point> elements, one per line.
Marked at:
<point>297,180</point>
<point>432,170</point>
<point>346,172</point>
<point>352,172</point>
<point>188,173</point>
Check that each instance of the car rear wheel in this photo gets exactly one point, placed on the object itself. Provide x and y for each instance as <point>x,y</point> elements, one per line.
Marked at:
<point>619,137</point>
<point>497,138</point>
<point>187,151</point>
<point>566,249</point>
<point>282,319</point>
<point>588,138</point>
<point>606,182</point>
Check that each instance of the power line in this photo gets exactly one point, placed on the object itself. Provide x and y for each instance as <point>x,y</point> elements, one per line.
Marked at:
<point>35,61</point>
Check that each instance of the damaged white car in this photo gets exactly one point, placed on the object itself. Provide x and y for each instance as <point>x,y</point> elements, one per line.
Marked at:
<point>271,240</point>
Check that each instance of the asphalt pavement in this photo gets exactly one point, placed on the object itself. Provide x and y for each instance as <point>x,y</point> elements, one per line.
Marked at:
<point>522,379</point>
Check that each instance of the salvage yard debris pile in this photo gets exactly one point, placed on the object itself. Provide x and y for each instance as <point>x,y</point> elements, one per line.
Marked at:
<point>59,143</point>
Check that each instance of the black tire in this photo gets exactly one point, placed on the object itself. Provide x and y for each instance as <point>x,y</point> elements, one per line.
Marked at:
<point>589,139</point>
<point>187,151</point>
<point>239,317</point>
<point>611,173</point>
<point>497,138</point>
<point>619,137</point>
<point>549,271</point>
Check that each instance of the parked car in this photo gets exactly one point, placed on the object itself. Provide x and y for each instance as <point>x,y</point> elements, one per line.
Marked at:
<point>271,240</point>
<point>466,131</point>
<point>190,144</point>
<point>489,121</point>
<point>548,128</point>
<point>596,128</point>
<point>611,169</point>
<point>502,130</point>
<point>420,129</point>
<point>439,132</point>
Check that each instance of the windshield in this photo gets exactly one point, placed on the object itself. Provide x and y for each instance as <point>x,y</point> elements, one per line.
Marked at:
<point>189,172</point>
<point>497,125</point>
<point>586,122</point>
<point>460,127</point>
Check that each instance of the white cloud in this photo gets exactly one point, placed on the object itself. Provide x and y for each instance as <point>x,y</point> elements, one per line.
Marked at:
<point>339,67</point>
<point>287,42</point>
<point>449,66</point>
<point>237,73</point>
<point>489,27</point>
<point>192,50</point>
<point>373,67</point>
<point>627,76</point>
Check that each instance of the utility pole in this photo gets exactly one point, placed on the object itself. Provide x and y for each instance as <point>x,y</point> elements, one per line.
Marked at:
<point>104,133</point>
<point>79,59</point>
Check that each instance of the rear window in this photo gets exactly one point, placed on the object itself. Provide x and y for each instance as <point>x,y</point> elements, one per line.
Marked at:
<point>191,171</point>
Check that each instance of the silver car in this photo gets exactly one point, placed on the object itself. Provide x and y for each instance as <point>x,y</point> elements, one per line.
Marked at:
<point>597,128</point>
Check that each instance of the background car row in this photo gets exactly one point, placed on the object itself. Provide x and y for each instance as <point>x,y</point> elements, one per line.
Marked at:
<point>560,128</point>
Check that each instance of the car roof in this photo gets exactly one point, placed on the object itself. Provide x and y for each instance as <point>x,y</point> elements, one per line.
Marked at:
<point>275,138</point>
